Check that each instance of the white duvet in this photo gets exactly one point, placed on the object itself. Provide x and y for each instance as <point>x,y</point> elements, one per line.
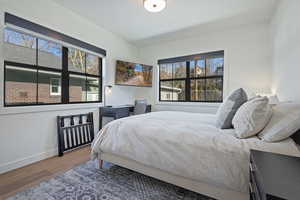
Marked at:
<point>185,144</point>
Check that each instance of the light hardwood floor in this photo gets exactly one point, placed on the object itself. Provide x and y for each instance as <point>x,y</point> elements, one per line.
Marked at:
<point>28,176</point>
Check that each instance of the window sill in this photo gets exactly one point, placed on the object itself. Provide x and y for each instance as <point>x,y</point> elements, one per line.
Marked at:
<point>46,108</point>
<point>192,104</point>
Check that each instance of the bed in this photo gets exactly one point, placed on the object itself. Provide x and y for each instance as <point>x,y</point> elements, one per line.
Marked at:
<point>185,149</point>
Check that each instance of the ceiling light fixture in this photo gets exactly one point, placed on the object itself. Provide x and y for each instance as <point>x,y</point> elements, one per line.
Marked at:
<point>155,5</point>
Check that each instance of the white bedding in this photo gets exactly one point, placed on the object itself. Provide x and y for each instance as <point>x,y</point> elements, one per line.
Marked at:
<point>185,144</point>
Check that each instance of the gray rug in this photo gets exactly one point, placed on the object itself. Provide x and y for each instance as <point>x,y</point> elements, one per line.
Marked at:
<point>86,182</point>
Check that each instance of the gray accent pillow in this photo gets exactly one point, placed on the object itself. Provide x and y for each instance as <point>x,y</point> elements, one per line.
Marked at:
<point>229,107</point>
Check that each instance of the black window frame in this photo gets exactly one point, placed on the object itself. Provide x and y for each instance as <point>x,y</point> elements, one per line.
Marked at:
<point>99,76</point>
<point>64,71</point>
<point>188,78</point>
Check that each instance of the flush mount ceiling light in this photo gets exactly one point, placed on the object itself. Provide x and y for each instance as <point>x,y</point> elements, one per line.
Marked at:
<point>155,5</point>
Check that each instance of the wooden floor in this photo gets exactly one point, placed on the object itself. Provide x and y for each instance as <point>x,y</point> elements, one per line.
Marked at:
<point>26,177</point>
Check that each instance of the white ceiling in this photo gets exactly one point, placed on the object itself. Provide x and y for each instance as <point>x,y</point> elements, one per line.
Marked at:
<point>128,18</point>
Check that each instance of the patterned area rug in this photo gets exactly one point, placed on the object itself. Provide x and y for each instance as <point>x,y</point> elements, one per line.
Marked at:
<point>86,182</point>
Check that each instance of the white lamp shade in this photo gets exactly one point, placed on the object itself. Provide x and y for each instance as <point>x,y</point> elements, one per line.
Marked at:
<point>273,100</point>
<point>155,5</point>
<point>108,90</point>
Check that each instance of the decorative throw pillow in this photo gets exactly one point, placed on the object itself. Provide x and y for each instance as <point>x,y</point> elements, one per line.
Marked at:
<point>252,117</point>
<point>284,123</point>
<point>229,107</point>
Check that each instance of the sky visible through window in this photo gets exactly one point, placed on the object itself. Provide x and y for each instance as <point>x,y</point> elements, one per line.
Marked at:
<point>215,63</point>
<point>20,39</point>
<point>50,47</point>
<point>25,40</point>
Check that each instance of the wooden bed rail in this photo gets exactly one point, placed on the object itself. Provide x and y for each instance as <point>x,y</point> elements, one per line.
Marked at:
<point>74,131</point>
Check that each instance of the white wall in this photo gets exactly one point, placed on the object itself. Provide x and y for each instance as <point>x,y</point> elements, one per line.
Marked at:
<point>286,50</point>
<point>29,134</point>
<point>247,60</point>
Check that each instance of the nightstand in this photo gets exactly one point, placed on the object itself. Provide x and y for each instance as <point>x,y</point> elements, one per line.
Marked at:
<point>274,176</point>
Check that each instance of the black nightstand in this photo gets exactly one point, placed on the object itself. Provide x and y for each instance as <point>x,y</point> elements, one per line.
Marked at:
<point>274,176</point>
<point>117,112</point>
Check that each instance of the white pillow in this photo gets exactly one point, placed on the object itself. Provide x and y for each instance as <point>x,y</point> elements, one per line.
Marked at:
<point>284,123</point>
<point>252,117</point>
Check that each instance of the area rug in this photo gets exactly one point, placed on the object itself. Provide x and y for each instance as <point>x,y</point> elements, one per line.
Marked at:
<point>87,182</point>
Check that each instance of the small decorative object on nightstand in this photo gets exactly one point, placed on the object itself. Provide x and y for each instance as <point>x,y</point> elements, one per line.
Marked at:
<point>274,176</point>
<point>273,100</point>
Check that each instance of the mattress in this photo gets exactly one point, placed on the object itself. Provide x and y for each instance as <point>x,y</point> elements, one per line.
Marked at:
<point>186,144</point>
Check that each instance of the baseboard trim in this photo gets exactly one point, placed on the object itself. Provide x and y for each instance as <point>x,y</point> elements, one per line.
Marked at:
<point>26,161</point>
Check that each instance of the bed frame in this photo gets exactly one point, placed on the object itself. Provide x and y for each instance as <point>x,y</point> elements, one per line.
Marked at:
<point>195,186</point>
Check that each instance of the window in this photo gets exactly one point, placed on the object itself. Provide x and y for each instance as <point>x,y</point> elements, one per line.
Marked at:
<point>77,88</point>
<point>19,47</point>
<point>195,78</point>
<point>84,81</point>
<point>55,88</point>
<point>20,85</point>
<point>76,60</point>
<point>39,72</point>
<point>49,54</point>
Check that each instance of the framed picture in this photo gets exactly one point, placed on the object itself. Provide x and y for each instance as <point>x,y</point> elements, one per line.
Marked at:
<point>133,74</point>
